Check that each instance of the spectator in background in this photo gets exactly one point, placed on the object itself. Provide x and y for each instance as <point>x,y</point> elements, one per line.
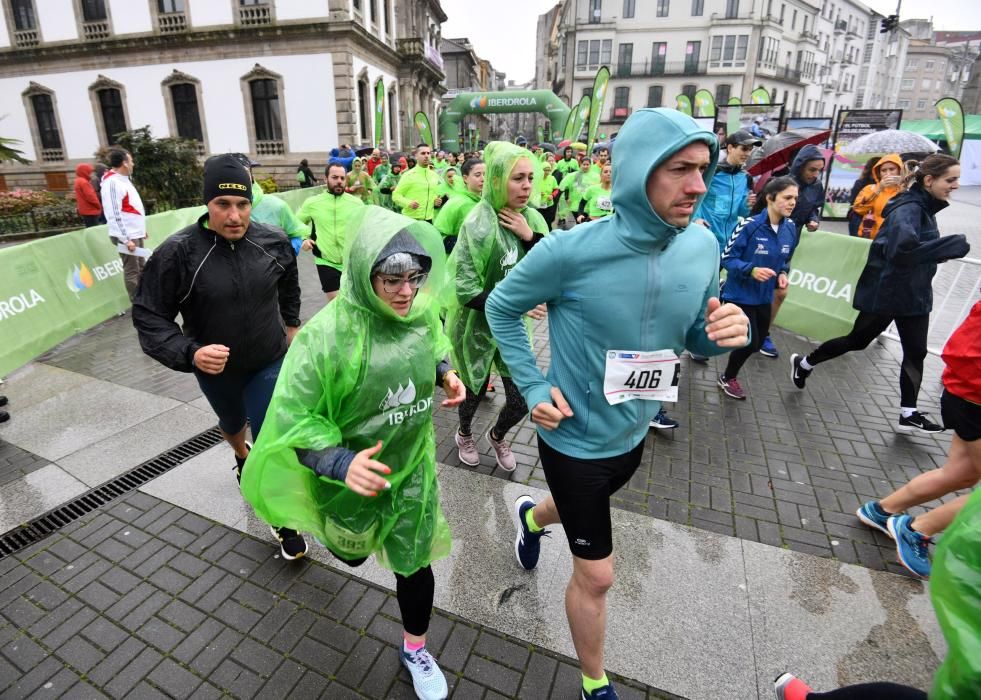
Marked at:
<point>125,215</point>
<point>86,200</point>
<point>865,179</point>
<point>304,175</point>
<point>887,182</point>
<point>98,171</point>
<point>373,162</point>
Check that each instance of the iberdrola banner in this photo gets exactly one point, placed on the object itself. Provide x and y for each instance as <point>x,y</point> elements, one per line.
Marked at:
<point>952,118</point>
<point>573,127</point>
<point>422,126</point>
<point>683,104</point>
<point>53,288</point>
<point>704,104</point>
<point>825,270</point>
<point>596,105</point>
<point>759,96</point>
<point>734,115</point>
<point>379,113</point>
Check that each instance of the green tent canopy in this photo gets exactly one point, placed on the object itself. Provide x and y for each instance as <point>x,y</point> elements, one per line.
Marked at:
<point>933,130</point>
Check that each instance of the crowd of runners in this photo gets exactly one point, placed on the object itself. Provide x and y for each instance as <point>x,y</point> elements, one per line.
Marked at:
<point>435,269</point>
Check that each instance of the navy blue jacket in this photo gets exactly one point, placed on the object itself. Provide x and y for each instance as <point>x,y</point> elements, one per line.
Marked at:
<point>755,244</point>
<point>898,276</point>
<point>810,198</point>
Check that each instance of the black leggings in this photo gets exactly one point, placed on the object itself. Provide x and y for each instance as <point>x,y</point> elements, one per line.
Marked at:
<point>415,594</point>
<point>912,336</point>
<point>871,691</point>
<point>759,326</point>
<point>515,408</point>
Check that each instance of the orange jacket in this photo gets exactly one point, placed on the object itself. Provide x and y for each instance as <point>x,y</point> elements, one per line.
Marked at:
<point>872,198</point>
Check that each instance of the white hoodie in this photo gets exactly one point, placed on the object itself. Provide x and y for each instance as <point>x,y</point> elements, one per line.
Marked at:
<point>123,207</point>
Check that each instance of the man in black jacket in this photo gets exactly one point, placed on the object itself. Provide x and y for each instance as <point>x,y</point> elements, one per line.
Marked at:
<point>235,284</point>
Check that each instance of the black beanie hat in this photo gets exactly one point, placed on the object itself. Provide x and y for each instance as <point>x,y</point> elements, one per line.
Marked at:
<point>225,175</point>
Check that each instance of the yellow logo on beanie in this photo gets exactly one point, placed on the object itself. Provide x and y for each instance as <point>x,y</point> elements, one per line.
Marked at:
<point>232,186</point>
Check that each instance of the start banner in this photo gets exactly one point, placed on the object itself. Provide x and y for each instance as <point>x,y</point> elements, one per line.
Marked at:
<point>823,274</point>
<point>55,287</point>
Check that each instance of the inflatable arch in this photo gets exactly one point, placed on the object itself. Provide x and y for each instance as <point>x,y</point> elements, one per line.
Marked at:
<point>505,102</point>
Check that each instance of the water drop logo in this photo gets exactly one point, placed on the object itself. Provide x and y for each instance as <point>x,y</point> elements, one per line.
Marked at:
<point>946,112</point>
<point>478,102</point>
<point>79,279</point>
<point>402,396</point>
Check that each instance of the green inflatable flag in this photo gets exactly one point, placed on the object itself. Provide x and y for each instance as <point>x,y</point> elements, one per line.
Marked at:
<point>759,96</point>
<point>734,115</point>
<point>596,105</point>
<point>952,119</point>
<point>683,104</point>
<point>577,119</point>
<point>704,104</point>
<point>422,126</point>
<point>379,112</point>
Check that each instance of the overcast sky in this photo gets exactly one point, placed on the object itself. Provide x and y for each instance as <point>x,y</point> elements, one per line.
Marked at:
<point>503,31</point>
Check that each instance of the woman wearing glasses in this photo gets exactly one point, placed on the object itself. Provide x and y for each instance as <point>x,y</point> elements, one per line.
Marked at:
<point>347,451</point>
<point>497,233</point>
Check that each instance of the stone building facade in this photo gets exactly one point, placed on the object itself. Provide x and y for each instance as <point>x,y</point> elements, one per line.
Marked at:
<point>280,80</point>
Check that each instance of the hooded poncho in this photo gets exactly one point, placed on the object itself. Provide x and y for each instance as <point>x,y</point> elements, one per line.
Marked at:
<point>355,374</point>
<point>484,254</point>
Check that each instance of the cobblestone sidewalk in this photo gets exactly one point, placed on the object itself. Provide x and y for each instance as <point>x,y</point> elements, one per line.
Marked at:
<point>144,599</point>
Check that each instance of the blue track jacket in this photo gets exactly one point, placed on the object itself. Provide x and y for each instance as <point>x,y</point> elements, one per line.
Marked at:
<point>626,282</point>
<point>755,244</point>
<point>725,202</point>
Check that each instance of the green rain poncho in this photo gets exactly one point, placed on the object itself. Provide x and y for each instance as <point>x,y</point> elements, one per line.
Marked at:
<point>359,182</point>
<point>955,589</point>
<point>355,374</point>
<point>574,188</point>
<point>446,190</point>
<point>452,215</point>
<point>545,185</point>
<point>484,254</point>
<point>276,212</point>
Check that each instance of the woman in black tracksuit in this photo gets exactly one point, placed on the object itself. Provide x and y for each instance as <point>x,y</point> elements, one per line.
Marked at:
<point>896,282</point>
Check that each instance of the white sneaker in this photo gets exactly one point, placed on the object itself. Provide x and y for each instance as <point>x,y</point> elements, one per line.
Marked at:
<point>427,680</point>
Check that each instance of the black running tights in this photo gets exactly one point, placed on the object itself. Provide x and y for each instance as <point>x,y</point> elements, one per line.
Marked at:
<point>912,336</point>
<point>871,691</point>
<point>759,327</point>
<point>415,594</point>
<point>515,408</point>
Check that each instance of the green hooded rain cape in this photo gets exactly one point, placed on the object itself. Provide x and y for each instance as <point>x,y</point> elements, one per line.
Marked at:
<point>484,254</point>
<point>357,373</point>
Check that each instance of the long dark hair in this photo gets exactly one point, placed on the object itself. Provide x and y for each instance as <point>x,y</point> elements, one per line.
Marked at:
<point>771,189</point>
<point>934,165</point>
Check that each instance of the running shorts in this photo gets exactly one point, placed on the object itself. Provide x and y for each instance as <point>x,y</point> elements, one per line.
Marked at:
<point>330,278</point>
<point>581,489</point>
<point>961,416</point>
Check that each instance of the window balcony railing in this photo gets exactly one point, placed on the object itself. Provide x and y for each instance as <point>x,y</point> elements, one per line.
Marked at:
<point>95,30</point>
<point>726,18</point>
<point>645,69</point>
<point>52,154</point>
<point>172,22</point>
<point>25,38</point>
<point>269,148</point>
<point>254,15</point>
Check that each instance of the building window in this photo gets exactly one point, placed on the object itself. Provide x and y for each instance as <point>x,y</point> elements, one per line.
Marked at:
<point>587,91</point>
<point>384,24</point>
<point>187,116</point>
<point>621,97</point>
<point>655,95</point>
<point>595,11</point>
<point>928,65</point>
<point>373,9</point>
<point>23,12</point>
<point>692,52</point>
<point>93,10</point>
<point>628,8</point>
<point>662,8</point>
<point>393,120</point>
<point>689,91</point>
<point>582,51</point>
<point>921,104</point>
<point>624,60</point>
<point>606,52</point>
<point>265,110</point>
<point>168,6</point>
<point>902,104</point>
<point>722,93</point>
<point>906,84</point>
<point>594,49</point>
<point>729,50</point>
<point>927,83</point>
<point>46,131</point>
<point>113,115</point>
<point>658,57</point>
<point>697,8</point>
<point>732,9</point>
<point>793,20</point>
<point>364,109</point>
<point>911,63</point>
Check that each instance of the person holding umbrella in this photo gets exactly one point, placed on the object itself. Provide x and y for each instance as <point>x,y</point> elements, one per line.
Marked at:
<point>887,183</point>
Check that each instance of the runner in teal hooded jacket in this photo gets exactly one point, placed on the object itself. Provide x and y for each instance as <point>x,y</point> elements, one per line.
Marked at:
<point>629,281</point>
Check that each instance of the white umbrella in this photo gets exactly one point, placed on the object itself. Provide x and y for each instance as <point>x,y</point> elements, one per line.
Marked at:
<point>890,141</point>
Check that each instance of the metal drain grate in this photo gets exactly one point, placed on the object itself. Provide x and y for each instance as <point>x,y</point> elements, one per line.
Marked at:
<point>53,520</point>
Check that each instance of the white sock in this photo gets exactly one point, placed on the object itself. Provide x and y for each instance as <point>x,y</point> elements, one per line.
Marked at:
<point>805,365</point>
<point>906,412</point>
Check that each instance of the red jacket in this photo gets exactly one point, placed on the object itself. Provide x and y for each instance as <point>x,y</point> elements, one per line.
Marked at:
<point>962,356</point>
<point>86,200</point>
<point>371,164</point>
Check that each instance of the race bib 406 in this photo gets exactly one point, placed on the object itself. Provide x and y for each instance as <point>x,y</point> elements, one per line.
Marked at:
<point>631,374</point>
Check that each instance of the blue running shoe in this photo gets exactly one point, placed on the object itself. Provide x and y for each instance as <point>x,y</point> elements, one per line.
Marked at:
<point>872,515</point>
<point>912,547</point>
<point>605,693</point>
<point>768,348</point>
<point>527,544</point>
<point>662,422</point>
